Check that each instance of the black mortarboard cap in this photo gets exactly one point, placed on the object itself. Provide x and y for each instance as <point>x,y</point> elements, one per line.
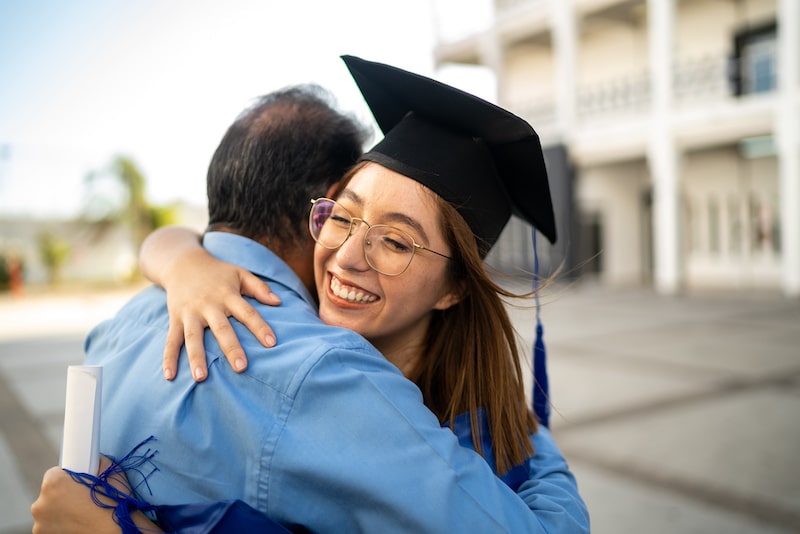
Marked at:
<point>484,160</point>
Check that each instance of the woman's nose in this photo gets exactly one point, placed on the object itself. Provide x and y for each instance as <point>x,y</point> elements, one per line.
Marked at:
<point>351,254</point>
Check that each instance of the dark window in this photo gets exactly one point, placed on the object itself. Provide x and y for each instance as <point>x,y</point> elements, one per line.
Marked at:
<point>590,259</point>
<point>754,65</point>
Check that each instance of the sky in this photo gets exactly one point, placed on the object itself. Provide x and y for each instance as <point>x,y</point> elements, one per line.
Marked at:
<point>83,81</point>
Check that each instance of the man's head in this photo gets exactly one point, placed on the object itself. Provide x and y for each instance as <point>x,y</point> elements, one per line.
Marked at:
<point>288,147</point>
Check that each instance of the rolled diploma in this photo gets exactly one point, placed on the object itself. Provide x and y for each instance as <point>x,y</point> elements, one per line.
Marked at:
<point>80,448</point>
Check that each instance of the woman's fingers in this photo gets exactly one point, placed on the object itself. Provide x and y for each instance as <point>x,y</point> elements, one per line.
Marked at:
<point>229,342</point>
<point>253,286</point>
<point>172,349</point>
<point>242,311</point>
<point>195,349</point>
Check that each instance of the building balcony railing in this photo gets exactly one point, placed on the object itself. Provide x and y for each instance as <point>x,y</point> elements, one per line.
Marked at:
<point>694,82</point>
<point>627,94</point>
<point>706,78</point>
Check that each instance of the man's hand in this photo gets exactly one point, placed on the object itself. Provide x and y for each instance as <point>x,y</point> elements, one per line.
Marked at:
<point>65,506</point>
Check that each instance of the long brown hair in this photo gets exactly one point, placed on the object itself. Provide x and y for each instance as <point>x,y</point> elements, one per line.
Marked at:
<point>471,357</point>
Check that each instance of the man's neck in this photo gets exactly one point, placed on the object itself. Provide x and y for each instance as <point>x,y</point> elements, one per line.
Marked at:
<point>303,266</point>
<point>299,257</point>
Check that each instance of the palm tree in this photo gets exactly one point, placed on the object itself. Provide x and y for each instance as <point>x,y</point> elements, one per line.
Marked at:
<point>54,252</point>
<point>137,213</point>
<point>130,207</point>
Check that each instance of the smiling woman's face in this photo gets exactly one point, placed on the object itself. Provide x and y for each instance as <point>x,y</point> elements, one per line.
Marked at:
<point>392,312</point>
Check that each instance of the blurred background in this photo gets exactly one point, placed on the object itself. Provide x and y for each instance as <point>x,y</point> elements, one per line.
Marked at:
<point>671,131</point>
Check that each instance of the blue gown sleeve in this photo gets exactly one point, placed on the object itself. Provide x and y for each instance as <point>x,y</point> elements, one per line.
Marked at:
<point>544,481</point>
<point>551,490</point>
<point>218,517</point>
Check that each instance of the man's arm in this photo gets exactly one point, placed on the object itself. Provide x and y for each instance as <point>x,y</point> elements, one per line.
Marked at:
<point>380,461</point>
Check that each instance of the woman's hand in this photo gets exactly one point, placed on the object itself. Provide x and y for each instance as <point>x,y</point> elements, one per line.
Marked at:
<point>65,506</point>
<point>203,291</point>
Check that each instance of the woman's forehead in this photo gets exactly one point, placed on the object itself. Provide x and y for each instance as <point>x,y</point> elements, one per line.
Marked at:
<point>374,185</point>
<point>391,198</point>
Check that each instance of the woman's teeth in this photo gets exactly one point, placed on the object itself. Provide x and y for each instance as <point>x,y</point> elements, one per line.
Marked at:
<point>350,294</point>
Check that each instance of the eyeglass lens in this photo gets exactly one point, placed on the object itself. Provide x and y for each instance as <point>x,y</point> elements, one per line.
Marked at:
<point>388,250</point>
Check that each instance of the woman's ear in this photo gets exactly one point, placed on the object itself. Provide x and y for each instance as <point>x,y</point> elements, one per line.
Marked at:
<point>451,298</point>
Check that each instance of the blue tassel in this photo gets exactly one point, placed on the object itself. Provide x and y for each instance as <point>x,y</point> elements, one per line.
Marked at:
<point>541,404</point>
<point>541,395</point>
<point>124,504</point>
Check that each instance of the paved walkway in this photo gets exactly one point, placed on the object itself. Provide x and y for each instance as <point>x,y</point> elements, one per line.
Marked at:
<point>677,414</point>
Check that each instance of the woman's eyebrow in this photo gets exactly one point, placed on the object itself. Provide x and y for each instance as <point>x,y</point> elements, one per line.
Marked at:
<point>396,217</point>
<point>392,216</point>
<point>351,195</point>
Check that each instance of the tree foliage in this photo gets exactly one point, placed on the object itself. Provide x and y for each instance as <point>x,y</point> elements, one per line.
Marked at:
<point>54,252</point>
<point>127,202</point>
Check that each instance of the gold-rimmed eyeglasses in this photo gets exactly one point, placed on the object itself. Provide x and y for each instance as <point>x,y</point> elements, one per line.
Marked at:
<point>387,249</point>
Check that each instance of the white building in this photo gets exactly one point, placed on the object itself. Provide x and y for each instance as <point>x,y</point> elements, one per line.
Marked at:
<point>672,129</point>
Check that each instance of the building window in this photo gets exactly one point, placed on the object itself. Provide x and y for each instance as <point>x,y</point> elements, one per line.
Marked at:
<point>765,226</point>
<point>713,226</point>
<point>754,66</point>
<point>735,226</point>
<point>691,226</point>
<point>776,229</point>
<point>755,224</point>
<point>590,242</point>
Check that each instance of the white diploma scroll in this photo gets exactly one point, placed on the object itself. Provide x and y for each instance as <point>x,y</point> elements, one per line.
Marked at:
<point>80,449</point>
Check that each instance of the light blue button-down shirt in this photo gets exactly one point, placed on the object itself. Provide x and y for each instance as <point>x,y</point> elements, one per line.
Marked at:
<point>320,430</point>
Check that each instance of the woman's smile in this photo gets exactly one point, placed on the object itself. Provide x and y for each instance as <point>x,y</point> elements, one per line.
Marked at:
<point>351,294</point>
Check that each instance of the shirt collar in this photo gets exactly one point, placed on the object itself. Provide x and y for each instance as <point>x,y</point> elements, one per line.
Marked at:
<point>257,259</point>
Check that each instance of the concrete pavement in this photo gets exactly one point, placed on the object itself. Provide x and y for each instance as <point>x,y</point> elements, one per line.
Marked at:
<point>677,414</point>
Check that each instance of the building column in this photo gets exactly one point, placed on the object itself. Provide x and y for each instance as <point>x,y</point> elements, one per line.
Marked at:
<point>565,47</point>
<point>491,55</point>
<point>564,32</point>
<point>788,140</point>
<point>663,156</point>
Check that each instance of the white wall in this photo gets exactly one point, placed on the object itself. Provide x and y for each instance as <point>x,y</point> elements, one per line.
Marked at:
<point>610,49</point>
<point>615,193</point>
<point>528,76</point>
